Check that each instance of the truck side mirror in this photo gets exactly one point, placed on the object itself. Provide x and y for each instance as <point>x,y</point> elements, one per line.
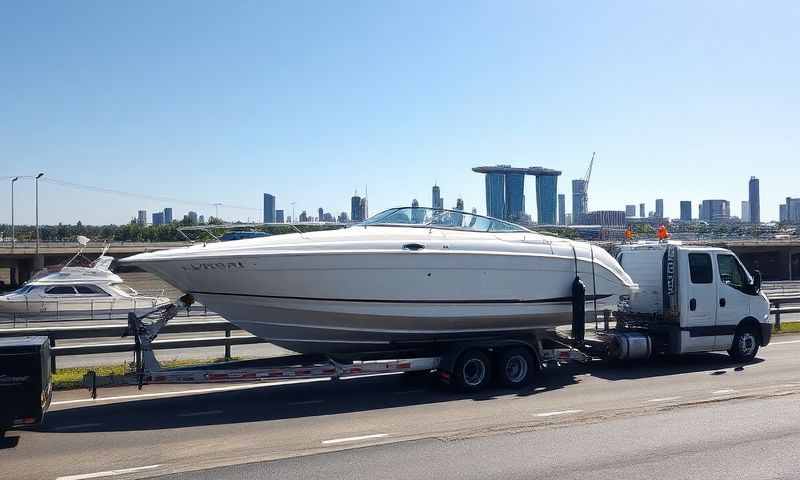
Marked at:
<point>757,280</point>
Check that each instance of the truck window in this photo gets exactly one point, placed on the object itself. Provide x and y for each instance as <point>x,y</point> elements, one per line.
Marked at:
<point>731,273</point>
<point>700,268</point>
<point>60,290</point>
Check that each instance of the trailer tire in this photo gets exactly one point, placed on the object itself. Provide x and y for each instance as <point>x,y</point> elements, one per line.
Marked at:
<point>515,367</point>
<point>745,344</point>
<point>473,371</point>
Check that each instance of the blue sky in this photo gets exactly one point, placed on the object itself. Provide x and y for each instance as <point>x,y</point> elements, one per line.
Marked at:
<point>221,101</point>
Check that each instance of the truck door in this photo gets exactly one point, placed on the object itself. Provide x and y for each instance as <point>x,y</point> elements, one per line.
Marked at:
<point>733,297</point>
<point>699,311</point>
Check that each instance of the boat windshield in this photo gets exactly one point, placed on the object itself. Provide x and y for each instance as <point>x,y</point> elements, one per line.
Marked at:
<point>441,218</point>
<point>23,290</point>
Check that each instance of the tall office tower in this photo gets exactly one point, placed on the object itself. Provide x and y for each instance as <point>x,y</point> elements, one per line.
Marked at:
<point>715,211</point>
<point>745,212</point>
<point>168,215</point>
<point>546,199</point>
<point>320,214</point>
<point>269,208</point>
<point>158,218</point>
<point>659,208</point>
<point>641,210</point>
<point>303,216</point>
<point>202,219</point>
<point>580,201</point>
<point>436,197</point>
<point>754,201</point>
<point>459,204</point>
<point>142,218</point>
<point>496,195</point>
<point>192,217</point>
<point>562,209</point>
<point>792,210</point>
<point>505,192</point>
<point>782,213</point>
<point>363,208</point>
<point>278,216</point>
<point>355,208</point>
<point>686,211</point>
<point>630,210</point>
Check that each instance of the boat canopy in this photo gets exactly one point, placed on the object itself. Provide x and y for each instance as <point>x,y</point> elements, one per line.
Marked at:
<point>440,218</point>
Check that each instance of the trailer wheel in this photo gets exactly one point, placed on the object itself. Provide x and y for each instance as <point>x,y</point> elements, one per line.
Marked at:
<point>745,344</point>
<point>515,367</point>
<point>473,371</point>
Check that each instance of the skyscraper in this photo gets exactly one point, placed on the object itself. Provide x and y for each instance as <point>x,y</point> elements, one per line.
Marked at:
<point>142,217</point>
<point>168,215</point>
<point>562,209</point>
<point>659,208</point>
<point>745,212</point>
<point>320,214</point>
<point>278,216</point>
<point>641,210</point>
<point>202,219</point>
<point>686,211</point>
<point>436,197</point>
<point>630,210</point>
<point>495,195</point>
<point>792,210</point>
<point>269,208</point>
<point>580,201</point>
<point>714,211</point>
<point>363,208</point>
<point>515,196</point>
<point>754,201</point>
<point>192,217</point>
<point>546,199</point>
<point>355,208</point>
<point>459,204</point>
<point>158,218</point>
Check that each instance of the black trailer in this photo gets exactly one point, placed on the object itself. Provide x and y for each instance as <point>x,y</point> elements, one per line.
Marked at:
<point>26,385</point>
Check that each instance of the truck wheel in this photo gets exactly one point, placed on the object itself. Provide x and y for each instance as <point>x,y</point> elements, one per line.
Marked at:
<point>745,344</point>
<point>473,371</point>
<point>515,367</point>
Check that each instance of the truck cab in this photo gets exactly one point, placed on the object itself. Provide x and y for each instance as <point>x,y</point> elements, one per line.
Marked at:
<point>700,298</point>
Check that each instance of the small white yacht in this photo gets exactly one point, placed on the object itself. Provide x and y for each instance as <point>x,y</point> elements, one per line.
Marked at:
<point>78,292</point>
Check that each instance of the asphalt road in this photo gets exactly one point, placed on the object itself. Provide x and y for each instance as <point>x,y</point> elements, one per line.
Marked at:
<point>695,417</point>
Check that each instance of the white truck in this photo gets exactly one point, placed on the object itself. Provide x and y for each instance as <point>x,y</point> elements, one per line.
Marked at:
<point>690,299</point>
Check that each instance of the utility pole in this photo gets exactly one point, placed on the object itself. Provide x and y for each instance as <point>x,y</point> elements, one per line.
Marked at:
<point>13,236</point>
<point>37,216</point>
<point>293,217</point>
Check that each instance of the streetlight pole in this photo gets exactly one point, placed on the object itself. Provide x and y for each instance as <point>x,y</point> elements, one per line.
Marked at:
<point>13,237</point>
<point>293,217</point>
<point>37,215</point>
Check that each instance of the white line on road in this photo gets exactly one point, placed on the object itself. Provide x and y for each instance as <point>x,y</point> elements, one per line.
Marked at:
<point>725,391</point>
<point>553,414</point>
<point>200,414</point>
<point>306,402</point>
<point>784,343</point>
<point>80,425</point>
<point>109,473</point>
<point>192,391</point>
<point>664,399</point>
<point>354,439</point>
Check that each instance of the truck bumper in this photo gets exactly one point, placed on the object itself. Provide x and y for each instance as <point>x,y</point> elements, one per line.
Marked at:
<point>766,333</point>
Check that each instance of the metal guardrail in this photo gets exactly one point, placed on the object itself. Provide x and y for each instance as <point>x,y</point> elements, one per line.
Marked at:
<point>778,307</point>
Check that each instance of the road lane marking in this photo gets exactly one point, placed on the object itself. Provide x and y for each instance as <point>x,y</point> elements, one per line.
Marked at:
<point>664,399</point>
<point>354,439</point>
<point>193,391</point>
<point>200,414</point>
<point>80,425</point>
<point>306,402</point>
<point>725,391</point>
<point>553,414</point>
<point>785,342</point>
<point>109,473</point>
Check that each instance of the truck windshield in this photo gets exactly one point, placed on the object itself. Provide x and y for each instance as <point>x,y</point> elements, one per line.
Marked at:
<point>731,273</point>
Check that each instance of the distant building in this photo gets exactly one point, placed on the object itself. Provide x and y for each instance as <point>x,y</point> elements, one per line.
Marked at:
<point>303,216</point>
<point>320,214</point>
<point>791,211</point>
<point>505,192</point>
<point>754,201</point>
<point>546,199</point>
<point>269,208</point>
<point>355,208</point>
<point>192,217</point>
<point>327,217</point>
<point>562,209</point>
<point>686,211</point>
<point>714,211</point>
<point>580,201</point>
<point>158,218</point>
<point>168,215</point>
<point>417,216</point>
<point>436,197</point>
<point>605,218</point>
<point>278,216</point>
<point>459,204</point>
<point>641,210</point>
<point>363,208</point>
<point>202,219</point>
<point>745,212</point>
<point>568,219</point>
<point>142,218</point>
<point>630,210</point>
<point>782,213</point>
<point>659,208</point>
<point>343,217</point>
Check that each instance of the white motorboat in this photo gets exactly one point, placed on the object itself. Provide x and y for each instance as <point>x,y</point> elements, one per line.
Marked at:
<point>405,275</point>
<point>69,292</point>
